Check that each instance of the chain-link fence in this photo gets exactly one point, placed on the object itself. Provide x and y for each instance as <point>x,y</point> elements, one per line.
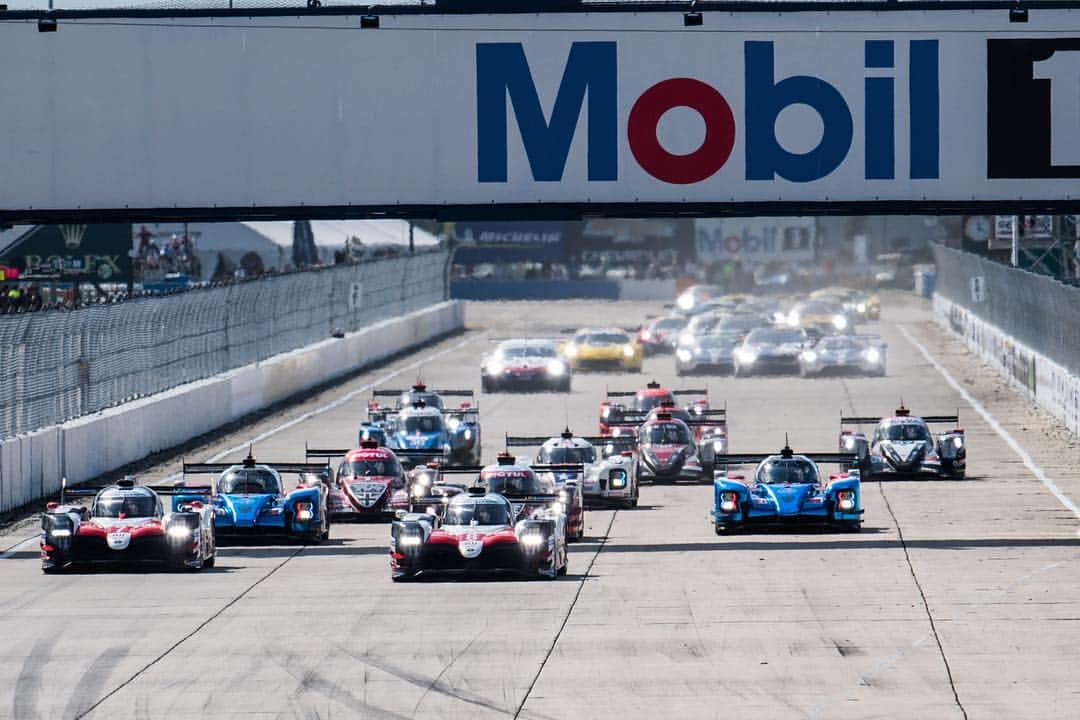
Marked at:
<point>57,365</point>
<point>1036,310</point>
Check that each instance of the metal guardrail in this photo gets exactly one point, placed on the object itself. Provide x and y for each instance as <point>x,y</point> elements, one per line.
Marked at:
<point>56,366</point>
<point>1035,310</point>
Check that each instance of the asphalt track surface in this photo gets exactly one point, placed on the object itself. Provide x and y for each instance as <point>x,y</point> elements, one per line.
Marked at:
<point>958,599</point>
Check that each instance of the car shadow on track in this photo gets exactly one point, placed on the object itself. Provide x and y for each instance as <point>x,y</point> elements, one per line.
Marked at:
<point>849,542</point>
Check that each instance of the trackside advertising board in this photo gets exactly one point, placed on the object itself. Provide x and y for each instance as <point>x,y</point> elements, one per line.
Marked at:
<point>313,114</point>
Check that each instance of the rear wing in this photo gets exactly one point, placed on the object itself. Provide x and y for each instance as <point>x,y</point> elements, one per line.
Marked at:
<point>928,419</point>
<point>444,393</point>
<point>626,417</point>
<point>281,467</point>
<point>310,452</point>
<point>558,468</point>
<point>538,440</point>
<point>757,458</point>
<point>179,489</point>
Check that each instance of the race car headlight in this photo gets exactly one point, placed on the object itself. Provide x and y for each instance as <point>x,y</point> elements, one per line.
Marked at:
<point>685,355</point>
<point>467,434</point>
<point>409,540</point>
<point>718,445</point>
<point>418,490</point>
<point>60,532</point>
<point>849,442</point>
<point>617,479</point>
<point>861,307</point>
<point>532,539</point>
<point>495,367</point>
<point>845,500</point>
<point>794,318</point>
<point>617,432</point>
<point>958,442</point>
<point>686,339</point>
<point>809,356</point>
<point>729,502</point>
<point>303,511</point>
<point>628,351</point>
<point>453,424</point>
<point>557,507</point>
<point>179,532</point>
<point>873,355</point>
<point>556,367</point>
<point>746,355</point>
<point>570,351</point>
<point>839,322</point>
<point>685,302</point>
<point>563,496</point>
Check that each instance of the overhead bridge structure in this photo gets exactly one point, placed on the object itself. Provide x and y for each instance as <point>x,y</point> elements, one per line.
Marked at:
<point>490,111</point>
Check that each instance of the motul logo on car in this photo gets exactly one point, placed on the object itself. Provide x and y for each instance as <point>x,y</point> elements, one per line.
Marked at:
<point>590,80</point>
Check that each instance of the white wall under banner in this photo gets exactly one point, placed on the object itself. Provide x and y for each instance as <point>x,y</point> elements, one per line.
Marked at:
<point>458,110</point>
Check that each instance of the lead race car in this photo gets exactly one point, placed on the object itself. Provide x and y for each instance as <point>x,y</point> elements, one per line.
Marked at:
<point>525,364</point>
<point>421,422</point>
<point>499,526</point>
<point>370,481</point>
<point>126,524</point>
<point>902,445</point>
<point>249,499</point>
<point>787,488</point>
<point>608,477</point>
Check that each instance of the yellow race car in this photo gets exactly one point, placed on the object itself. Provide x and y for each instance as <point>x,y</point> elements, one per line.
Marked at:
<point>859,303</point>
<point>827,316</point>
<point>603,349</point>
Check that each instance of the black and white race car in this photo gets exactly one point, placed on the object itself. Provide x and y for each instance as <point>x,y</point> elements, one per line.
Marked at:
<point>902,445</point>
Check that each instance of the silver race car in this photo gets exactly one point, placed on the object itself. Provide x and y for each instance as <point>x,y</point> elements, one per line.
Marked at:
<point>608,478</point>
<point>844,354</point>
<point>902,445</point>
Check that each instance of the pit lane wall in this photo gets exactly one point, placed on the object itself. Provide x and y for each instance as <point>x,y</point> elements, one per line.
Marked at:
<point>32,465</point>
<point>969,286</point>
<point>598,289</point>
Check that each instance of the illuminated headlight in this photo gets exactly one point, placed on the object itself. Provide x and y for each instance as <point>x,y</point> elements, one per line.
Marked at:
<point>179,532</point>
<point>303,512</point>
<point>453,424</point>
<point>849,442</point>
<point>729,502</point>
<point>647,336</point>
<point>606,412</point>
<point>809,356</point>
<point>861,307</point>
<point>61,532</point>
<point>418,491</point>
<point>873,355</point>
<point>839,322</point>
<point>570,351</point>
<point>684,355</point>
<point>446,447</point>
<point>617,479</point>
<point>617,432</point>
<point>718,445</point>
<point>532,540</point>
<point>409,540</point>
<point>746,356</point>
<point>609,449</point>
<point>794,318</point>
<point>686,339</point>
<point>495,367</point>
<point>845,500</point>
<point>685,302</point>
<point>628,351</point>
<point>958,442</point>
<point>563,496</point>
<point>556,367</point>
<point>467,434</point>
<point>557,507</point>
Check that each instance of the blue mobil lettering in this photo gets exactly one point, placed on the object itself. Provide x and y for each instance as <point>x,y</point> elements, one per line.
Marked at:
<point>590,79</point>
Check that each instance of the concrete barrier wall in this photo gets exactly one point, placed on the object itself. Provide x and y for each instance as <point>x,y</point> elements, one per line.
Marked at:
<point>1044,381</point>
<point>603,289</point>
<point>32,465</point>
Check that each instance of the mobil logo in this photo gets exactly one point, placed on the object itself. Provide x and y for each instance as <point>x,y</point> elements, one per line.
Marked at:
<point>505,88</point>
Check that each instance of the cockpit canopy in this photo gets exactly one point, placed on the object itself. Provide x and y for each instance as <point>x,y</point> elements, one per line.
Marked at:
<point>248,481</point>
<point>905,431</point>
<point>134,503</point>
<point>644,402</point>
<point>422,424</point>
<point>570,455</point>
<point>517,481</point>
<point>665,433</point>
<point>412,397</point>
<point>468,511</point>
<point>787,470</point>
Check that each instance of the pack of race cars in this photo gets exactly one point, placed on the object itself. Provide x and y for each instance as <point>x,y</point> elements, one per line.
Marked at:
<point>417,459</point>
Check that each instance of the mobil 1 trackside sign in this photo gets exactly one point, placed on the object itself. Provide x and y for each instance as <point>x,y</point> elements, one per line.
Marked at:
<point>474,114</point>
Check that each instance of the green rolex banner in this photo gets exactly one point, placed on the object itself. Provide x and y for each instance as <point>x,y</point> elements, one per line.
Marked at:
<point>88,253</point>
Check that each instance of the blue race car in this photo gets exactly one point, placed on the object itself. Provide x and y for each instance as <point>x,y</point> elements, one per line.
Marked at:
<point>787,489</point>
<point>453,433</point>
<point>249,499</point>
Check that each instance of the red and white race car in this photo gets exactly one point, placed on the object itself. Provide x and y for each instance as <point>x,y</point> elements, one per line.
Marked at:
<point>126,524</point>
<point>369,483</point>
<point>709,424</point>
<point>666,451</point>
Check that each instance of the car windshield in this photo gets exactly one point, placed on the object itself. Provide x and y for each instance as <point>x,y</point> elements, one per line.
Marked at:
<point>487,513</point>
<point>819,308</point>
<point>667,434</point>
<point>715,342</point>
<point>411,398</point>
<point>423,424</point>
<point>522,351</point>
<point>603,339</point>
<point>573,455</point>
<point>520,482</point>
<point>370,468</point>
<point>839,342</point>
<point>248,481</point>
<point>787,471</point>
<point>776,336</point>
<point>702,323</point>
<point>645,403</point>
<point>906,432</point>
<point>670,324</point>
<point>111,503</point>
<point>741,323</point>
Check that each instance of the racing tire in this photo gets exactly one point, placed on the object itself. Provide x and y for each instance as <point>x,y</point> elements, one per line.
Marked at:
<point>561,572</point>
<point>210,561</point>
<point>853,527</point>
<point>404,577</point>
<point>54,570</point>
<point>722,531</point>
<point>739,372</point>
<point>486,386</point>
<point>564,386</point>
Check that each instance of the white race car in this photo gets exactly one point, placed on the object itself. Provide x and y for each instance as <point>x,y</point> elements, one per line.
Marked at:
<point>609,477</point>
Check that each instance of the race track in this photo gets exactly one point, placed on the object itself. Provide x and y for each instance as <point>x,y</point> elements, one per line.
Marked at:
<point>958,599</point>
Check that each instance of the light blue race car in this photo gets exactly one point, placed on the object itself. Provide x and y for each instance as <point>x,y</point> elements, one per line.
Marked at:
<point>250,499</point>
<point>787,489</point>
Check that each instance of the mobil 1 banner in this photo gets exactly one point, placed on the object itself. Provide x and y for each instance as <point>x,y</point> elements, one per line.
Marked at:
<point>484,115</point>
